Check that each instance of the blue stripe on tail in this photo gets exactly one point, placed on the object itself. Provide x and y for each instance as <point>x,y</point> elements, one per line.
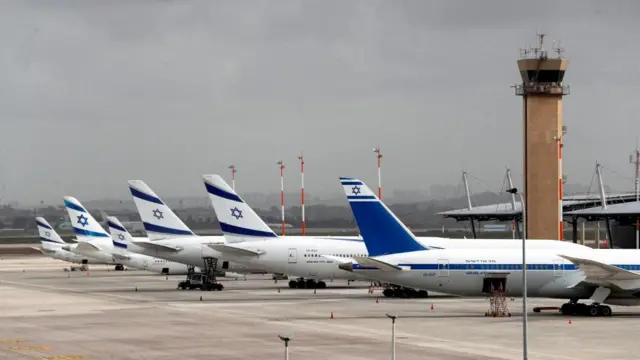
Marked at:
<point>237,230</point>
<point>165,230</point>
<point>139,194</point>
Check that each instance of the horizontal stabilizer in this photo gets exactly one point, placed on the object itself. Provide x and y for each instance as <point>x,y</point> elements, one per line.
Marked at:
<point>371,262</point>
<point>42,250</point>
<point>86,246</point>
<point>157,247</point>
<point>233,250</point>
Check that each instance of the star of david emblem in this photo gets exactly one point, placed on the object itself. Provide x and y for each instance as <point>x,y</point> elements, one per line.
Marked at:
<point>82,220</point>
<point>47,234</point>
<point>355,190</point>
<point>236,213</point>
<point>120,236</point>
<point>158,214</point>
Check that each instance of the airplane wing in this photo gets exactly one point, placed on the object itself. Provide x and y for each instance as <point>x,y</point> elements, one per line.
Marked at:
<point>117,256</point>
<point>337,259</point>
<point>233,250</point>
<point>157,247</point>
<point>367,261</point>
<point>599,272</point>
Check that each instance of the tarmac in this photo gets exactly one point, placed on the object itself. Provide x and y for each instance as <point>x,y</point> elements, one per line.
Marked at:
<point>47,313</point>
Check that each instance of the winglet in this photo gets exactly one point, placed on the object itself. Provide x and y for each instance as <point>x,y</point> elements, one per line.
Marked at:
<point>383,233</point>
<point>237,220</point>
<point>84,225</point>
<point>158,219</point>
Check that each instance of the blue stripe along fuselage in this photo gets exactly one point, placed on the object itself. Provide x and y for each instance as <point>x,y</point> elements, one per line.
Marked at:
<point>237,230</point>
<point>495,267</point>
<point>165,230</point>
<point>73,206</point>
<point>44,225</point>
<point>140,195</point>
<point>116,226</point>
<point>84,232</point>
<point>221,193</point>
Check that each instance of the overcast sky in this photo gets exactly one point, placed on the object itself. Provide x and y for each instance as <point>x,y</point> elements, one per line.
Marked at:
<point>94,93</point>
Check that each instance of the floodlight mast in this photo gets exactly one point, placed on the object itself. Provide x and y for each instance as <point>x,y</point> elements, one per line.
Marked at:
<point>379,157</point>
<point>233,176</point>
<point>304,226</point>
<point>281,164</point>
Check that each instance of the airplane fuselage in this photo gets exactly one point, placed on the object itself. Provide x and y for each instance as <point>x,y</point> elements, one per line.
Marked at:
<point>191,251</point>
<point>301,256</point>
<point>465,272</point>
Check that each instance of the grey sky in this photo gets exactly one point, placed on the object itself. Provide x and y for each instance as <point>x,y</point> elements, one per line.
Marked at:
<point>93,93</point>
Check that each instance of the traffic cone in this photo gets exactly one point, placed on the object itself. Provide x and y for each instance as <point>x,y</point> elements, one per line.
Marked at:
<point>569,321</point>
<point>431,307</point>
<point>314,291</point>
<point>278,290</point>
<point>331,317</point>
<point>377,301</point>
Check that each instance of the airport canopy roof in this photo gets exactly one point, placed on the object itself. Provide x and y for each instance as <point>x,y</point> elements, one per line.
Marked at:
<point>505,211</point>
<point>628,209</point>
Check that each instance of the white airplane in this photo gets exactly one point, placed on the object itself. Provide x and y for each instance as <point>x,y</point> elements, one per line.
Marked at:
<point>251,241</point>
<point>122,241</point>
<point>171,239</point>
<point>52,245</point>
<point>395,255</point>
<point>93,241</point>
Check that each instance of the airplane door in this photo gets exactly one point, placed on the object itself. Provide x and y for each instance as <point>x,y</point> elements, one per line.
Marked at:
<point>293,256</point>
<point>443,267</point>
<point>145,263</point>
<point>558,268</point>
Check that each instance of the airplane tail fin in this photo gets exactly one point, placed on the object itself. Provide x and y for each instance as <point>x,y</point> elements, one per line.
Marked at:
<point>84,225</point>
<point>119,235</point>
<point>158,219</point>
<point>48,236</point>
<point>237,220</point>
<point>382,232</point>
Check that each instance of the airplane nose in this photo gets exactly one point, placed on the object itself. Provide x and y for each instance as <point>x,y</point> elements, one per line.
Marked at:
<point>346,266</point>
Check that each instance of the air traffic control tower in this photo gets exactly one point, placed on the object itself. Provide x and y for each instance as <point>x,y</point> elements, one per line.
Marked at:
<point>542,90</point>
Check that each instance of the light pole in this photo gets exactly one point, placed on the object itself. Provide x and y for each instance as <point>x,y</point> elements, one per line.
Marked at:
<point>393,335</point>
<point>525,345</point>
<point>281,165</point>
<point>304,226</point>
<point>286,340</point>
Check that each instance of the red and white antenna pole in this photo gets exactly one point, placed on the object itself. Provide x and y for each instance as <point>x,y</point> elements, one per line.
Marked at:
<point>282,192</point>
<point>379,156</point>
<point>304,226</point>
<point>233,176</point>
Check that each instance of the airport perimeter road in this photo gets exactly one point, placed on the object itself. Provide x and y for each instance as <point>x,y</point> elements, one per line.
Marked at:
<point>51,314</point>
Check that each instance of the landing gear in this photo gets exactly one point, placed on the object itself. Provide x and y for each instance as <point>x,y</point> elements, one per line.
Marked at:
<point>404,292</point>
<point>574,308</point>
<point>301,283</point>
<point>119,267</point>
